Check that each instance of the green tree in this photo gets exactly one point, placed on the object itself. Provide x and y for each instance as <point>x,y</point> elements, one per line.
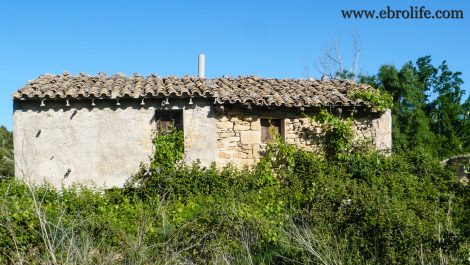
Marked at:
<point>464,133</point>
<point>6,153</point>
<point>411,126</point>
<point>447,112</point>
<point>427,111</point>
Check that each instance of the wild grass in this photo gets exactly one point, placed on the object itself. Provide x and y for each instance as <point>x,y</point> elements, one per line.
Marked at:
<point>292,208</point>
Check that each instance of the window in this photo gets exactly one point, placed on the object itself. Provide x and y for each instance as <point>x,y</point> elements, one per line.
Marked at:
<point>166,121</point>
<point>270,128</point>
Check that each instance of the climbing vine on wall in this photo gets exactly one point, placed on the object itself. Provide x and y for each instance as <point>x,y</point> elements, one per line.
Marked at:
<point>338,133</point>
<point>169,149</point>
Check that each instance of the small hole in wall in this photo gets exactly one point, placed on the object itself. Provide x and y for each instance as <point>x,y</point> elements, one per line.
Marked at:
<point>38,133</point>
<point>67,173</point>
<point>73,114</point>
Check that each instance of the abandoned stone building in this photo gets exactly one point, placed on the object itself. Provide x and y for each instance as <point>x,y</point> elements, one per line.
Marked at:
<point>98,129</point>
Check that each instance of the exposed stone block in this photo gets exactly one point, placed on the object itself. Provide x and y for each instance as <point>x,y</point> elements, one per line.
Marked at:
<point>250,137</point>
<point>256,151</point>
<point>233,148</point>
<point>248,153</point>
<point>223,119</point>
<point>246,146</point>
<point>240,155</point>
<point>226,134</point>
<point>224,125</point>
<point>225,155</point>
<point>241,127</point>
<point>231,141</point>
<point>256,125</point>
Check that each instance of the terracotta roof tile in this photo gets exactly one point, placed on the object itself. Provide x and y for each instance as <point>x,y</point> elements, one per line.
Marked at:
<point>250,89</point>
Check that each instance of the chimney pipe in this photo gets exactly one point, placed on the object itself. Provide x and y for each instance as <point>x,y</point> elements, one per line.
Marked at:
<point>201,65</point>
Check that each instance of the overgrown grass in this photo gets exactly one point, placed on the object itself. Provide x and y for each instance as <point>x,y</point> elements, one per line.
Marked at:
<point>292,207</point>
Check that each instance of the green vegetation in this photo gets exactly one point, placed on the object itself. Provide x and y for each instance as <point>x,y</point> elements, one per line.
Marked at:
<point>427,107</point>
<point>337,133</point>
<point>6,153</point>
<point>381,100</point>
<point>294,206</point>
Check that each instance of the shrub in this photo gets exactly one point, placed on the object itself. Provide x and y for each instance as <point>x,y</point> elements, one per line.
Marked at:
<point>294,206</point>
<point>337,133</point>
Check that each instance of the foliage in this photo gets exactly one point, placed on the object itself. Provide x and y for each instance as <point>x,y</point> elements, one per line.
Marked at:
<point>427,107</point>
<point>381,100</point>
<point>465,125</point>
<point>168,153</point>
<point>337,133</point>
<point>6,153</point>
<point>169,148</point>
<point>294,206</point>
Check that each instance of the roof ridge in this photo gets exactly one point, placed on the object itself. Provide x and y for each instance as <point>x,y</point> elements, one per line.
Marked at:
<point>85,74</point>
<point>259,90</point>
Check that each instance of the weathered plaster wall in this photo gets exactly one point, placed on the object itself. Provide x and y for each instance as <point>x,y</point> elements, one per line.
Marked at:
<point>104,145</point>
<point>199,132</point>
<point>239,134</point>
<point>101,145</point>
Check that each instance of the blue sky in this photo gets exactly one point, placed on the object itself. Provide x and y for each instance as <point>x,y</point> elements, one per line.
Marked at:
<point>265,38</point>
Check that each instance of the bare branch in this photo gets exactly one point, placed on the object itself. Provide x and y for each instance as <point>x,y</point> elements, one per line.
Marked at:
<point>357,46</point>
<point>330,61</point>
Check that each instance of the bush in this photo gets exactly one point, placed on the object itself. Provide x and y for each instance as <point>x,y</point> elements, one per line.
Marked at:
<point>292,207</point>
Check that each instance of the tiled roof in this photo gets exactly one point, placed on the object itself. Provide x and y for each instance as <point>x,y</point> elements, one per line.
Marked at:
<point>256,90</point>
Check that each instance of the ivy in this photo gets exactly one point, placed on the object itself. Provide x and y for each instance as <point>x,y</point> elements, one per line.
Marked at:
<point>338,133</point>
<point>169,149</point>
<point>380,100</point>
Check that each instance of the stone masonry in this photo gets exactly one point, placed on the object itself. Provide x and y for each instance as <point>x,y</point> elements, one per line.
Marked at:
<point>238,140</point>
<point>239,136</point>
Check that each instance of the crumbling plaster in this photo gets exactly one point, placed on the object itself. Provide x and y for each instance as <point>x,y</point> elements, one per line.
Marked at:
<point>101,145</point>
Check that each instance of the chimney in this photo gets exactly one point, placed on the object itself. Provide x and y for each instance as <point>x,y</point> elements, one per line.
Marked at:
<point>201,65</point>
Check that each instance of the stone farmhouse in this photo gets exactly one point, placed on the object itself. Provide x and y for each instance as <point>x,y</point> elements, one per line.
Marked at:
<point>98,129</point>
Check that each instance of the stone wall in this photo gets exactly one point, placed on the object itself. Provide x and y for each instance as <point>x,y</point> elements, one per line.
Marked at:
<point>368,129</point>
<point>239,134</point>
<point>238,140</point>
<point>302,132</point>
